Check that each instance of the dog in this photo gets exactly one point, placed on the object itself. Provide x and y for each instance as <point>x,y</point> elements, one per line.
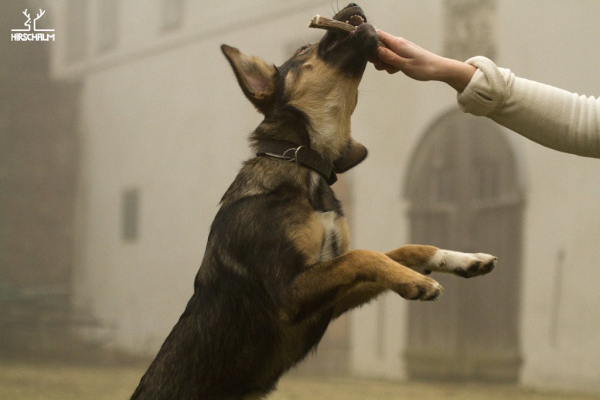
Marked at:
<point>277,269</point>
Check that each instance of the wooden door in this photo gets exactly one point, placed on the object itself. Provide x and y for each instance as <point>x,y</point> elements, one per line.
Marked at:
<point>464,194</point>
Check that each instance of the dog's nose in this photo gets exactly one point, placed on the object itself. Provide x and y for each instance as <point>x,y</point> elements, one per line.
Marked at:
<point>352,5</point>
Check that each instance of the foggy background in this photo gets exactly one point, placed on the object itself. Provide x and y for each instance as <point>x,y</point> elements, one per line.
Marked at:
<point>118,139</point>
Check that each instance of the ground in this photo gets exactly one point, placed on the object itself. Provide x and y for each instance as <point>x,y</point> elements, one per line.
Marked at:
<point>32,381</point>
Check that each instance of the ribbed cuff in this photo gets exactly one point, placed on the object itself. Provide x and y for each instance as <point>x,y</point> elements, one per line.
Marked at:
<point>486,92</point>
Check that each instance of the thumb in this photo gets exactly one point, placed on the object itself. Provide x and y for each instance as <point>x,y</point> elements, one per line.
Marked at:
<point>385,37</point>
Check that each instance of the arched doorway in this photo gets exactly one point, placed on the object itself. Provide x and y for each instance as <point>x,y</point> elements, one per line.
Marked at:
<point>464,195</point>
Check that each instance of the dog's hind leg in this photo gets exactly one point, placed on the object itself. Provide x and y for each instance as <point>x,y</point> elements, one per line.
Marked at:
<point>324,284</point>
<point>426,259</point>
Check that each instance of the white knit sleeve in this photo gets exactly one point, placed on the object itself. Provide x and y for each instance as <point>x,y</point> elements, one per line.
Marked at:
<point>550,116</point>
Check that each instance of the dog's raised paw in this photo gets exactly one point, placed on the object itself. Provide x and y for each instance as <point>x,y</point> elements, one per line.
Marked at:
<point>481,264</point>
<point>425,289</point>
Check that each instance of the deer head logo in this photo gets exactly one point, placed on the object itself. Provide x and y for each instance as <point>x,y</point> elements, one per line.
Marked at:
<point>42,12</point>
<point>28,23</point>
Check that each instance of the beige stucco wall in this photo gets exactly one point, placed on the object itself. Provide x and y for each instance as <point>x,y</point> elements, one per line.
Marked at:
<point>553,43</point>
<point>550,41</point>
<point>174,123</point>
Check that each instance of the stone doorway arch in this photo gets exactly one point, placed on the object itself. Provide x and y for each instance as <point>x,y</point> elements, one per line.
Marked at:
<point>464,194</point>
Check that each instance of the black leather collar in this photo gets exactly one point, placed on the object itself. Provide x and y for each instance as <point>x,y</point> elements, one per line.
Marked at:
<point>301,155</point>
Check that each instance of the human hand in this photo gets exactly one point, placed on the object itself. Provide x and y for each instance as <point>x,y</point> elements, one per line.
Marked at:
<point>418,63</point>
<point>403,55</point>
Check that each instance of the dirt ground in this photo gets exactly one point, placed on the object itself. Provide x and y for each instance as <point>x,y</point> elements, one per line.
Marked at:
<point>22,381</point>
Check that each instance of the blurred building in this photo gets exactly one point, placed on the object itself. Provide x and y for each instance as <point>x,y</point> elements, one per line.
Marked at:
<point>39,154</point>
<point>162,133</point>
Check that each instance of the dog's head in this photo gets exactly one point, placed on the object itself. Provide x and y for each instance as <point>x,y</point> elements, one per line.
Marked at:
<point>319,82</point>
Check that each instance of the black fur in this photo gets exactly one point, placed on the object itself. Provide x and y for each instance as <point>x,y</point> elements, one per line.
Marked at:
<point>229,337</point>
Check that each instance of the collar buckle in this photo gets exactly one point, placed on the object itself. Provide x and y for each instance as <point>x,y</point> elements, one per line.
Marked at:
<point>308,158</point>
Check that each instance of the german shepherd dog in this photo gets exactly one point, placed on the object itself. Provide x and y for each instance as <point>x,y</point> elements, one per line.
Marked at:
<point>277,269</point>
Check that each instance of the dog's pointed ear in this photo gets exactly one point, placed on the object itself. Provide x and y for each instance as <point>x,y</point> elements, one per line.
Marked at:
<point>353,155</point>
<point>256,78</point>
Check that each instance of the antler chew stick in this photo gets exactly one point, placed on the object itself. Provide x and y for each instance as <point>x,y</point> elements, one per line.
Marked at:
<point>329,24</point>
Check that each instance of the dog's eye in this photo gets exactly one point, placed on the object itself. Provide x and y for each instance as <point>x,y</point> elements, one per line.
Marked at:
<point>302,49</point>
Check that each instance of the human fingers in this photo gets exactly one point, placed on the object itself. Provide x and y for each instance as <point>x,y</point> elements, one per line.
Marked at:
<point>389,57</point>
<point>397,44</point>
<point>373,58</point>
<point>390,70</point>
<point>377,63</point>
<point>381,66</point>
<point>385,37</point>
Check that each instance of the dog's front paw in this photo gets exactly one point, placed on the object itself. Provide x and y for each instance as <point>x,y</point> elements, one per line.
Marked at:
<point>468,265</point>
<point>423,289</point>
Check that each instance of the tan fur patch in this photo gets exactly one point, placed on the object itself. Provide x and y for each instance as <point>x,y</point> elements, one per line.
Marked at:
<point>307,238</point>
<point>328,98</point>
<point>344,274</point>
<point>344,235</point>
<point>413,256</point>
<point>357,296</point>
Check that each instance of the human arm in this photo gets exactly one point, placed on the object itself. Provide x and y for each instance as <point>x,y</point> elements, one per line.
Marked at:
<point>420,64</point>
<point>552,117</point>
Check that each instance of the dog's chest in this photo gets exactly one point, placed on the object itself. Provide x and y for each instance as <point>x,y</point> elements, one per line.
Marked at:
<point>334,230</point>
<point>329,229</point>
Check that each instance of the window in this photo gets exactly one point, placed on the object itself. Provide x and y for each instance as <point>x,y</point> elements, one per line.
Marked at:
<point>171,14</point>
<point>108,24</point>
<point>77,33</point>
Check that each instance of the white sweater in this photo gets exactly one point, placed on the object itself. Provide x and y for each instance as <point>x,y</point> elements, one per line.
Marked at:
<point>547,115</point>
